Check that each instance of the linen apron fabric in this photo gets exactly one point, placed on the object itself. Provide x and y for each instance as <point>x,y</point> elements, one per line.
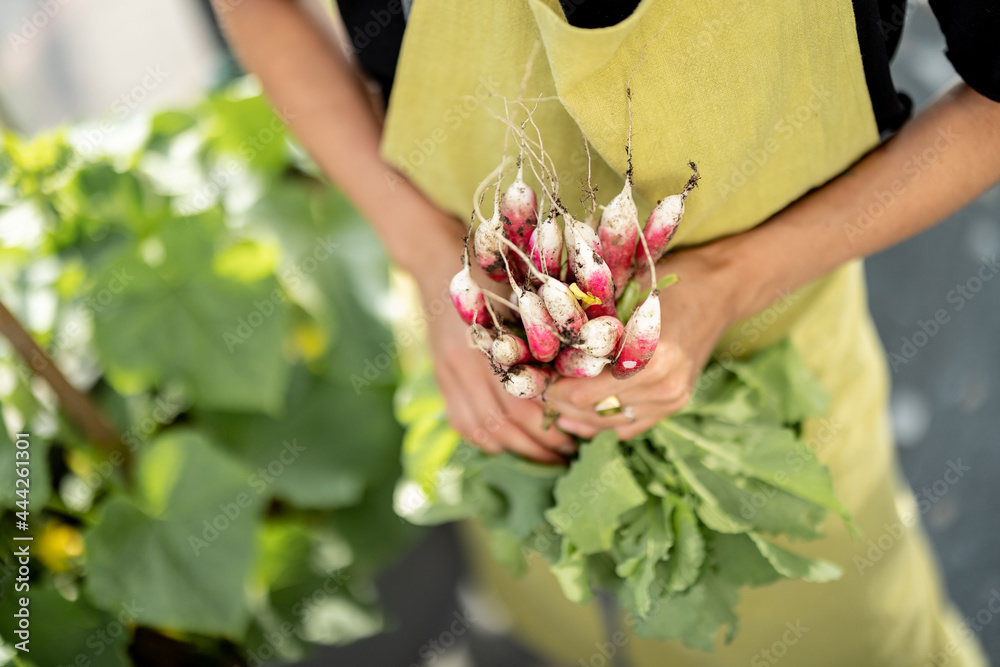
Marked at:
<point>769,99</point>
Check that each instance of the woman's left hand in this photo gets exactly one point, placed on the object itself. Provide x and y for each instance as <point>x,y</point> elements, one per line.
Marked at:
<point>695,313</point>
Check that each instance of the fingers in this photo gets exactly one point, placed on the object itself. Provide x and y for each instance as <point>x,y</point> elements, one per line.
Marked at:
<point>476,413</point>
<point>530,416</point>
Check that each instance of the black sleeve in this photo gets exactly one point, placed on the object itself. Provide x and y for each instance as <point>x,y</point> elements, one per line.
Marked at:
<point>972,30</point>
<point>375,29</point>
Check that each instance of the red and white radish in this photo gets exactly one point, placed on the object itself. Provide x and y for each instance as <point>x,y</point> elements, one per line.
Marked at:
<point>640,338</point>
<point>590,271</point>
<point>519,210</point>
<point>663,222</point>
<point>600,336</point>
<point>467,295</point>
<point>618,231</point>
<point>510,350</point>
<point>566,311</point>
<point>543,342</point>
<point>488,246</point>
<point>481,339</point>
<point>545,246</point>
<point>575,363</point>
<point>527,381</point>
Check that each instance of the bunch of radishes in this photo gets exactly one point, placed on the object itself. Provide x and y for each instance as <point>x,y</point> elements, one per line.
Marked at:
<point>568,281</point>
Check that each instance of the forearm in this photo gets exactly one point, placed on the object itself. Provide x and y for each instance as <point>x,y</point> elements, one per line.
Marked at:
<point>328,110</point>
<point>938,163</point>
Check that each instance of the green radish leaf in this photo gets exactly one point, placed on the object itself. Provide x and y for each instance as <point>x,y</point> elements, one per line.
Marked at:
<point>593,495</point>
<point>795,566</point>
<point>573,575</point>
<point>688,556</point>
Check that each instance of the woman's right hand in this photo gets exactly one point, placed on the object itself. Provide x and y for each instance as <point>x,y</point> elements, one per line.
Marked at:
<point>478,406</point>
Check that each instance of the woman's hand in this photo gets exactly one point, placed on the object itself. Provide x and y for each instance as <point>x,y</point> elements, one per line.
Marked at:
<point>695,313</point>
<point>478,406</point>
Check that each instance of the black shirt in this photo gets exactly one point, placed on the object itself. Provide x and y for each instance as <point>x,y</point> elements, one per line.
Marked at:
<point>971,29</point>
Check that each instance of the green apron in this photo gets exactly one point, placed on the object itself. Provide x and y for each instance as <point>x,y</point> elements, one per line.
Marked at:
<point>770,100</point>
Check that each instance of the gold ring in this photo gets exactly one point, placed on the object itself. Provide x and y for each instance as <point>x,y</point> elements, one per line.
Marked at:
<point>608,406</point>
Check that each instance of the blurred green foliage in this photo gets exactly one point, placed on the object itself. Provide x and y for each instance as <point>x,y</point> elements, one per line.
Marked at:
<point>215,297</point>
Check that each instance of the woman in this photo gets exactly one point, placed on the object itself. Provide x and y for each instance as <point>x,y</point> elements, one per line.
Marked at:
<point>782,110</point>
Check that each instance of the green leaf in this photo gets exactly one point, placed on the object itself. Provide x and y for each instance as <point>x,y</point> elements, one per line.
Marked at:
<point>789,392</point>
<point>38,480</point>
<point>695,615</point>
<point>572,574</point>
<point>739,560</point>
<point>183,549</point>
<point>330,442</point>
<point>593,495</point>
<point>526,489</point>
<point>175,320</point>
<point>772,454</point>
<point>166,125</point>
<point>795,566</point>
<point>62,631</point>
<point>684,566</point>
<point>648,540</point>
<point>246,127</point>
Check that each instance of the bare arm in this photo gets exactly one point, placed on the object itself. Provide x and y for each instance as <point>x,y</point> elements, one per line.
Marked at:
<point>328,110</point>
<point>939,162</point>
<point>326,107</point>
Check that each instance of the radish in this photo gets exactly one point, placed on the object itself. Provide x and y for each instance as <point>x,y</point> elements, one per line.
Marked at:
<point>510,350</point>
<point>545,245</point>
<point>481,338</point>
<point>618,231</point>
<point>575,363</point>
<point>518,210</point>
<point>527,381</point>
<point>543,342</point>
<point>664,220</point>
<point>583,233</point>
<point>562,306</point>
<point>467,295</point>
<point>599,337</point>
<point>589,270</point>
<point>566,311</point>
<point>488,246</point>
<point>640,338</point>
